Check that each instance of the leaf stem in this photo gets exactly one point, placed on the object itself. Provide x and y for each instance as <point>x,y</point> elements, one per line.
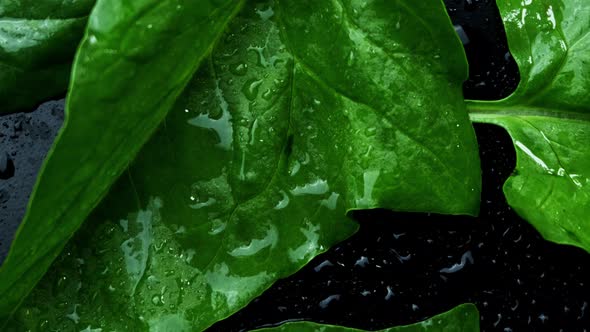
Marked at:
<point>488,111</point>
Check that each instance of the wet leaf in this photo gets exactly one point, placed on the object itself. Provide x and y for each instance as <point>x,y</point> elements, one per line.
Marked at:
<point>464,318</point>
<point>117,99</point>
<point>548,116</point>
<point>38,40</point>
<point>251,174</point>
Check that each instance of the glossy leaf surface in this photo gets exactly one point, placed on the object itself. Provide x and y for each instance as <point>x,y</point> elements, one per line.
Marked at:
<point>38,40</point>
<point>548,116</point>
<point>117,99</point>
<point>464,318</point>
<point>396,76</point>
<point>252,173</point>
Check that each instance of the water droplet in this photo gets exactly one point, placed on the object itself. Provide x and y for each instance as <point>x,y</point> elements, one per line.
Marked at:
<point>198,204</point>
<point>306,159</point>
<point>265,14</point>
<point>253,132</point>
<point>369,180</point>
<point>295,169</point>
<point>44,325</point>
<point>270,239</point>
<point>331,202</point>
<point>267,95</point>
<point>322,265</point>
<point>61,281</point>
<point>326,302</point>
<point>260,53</point>
<point>389,294</point>
<point>251,87</point>
<point>362,261</point>
<point>462,34</point>
<point>466,257</point>
<point>350,59</point>
<point>310,246</point>
<point>239,69</point>
<point>283,202</point>
<point>371,131</point>
<point>317,187</point>
<point>551,17</point>
<point>74,317</point>
<point>217,226</point>
<point>222,126</point>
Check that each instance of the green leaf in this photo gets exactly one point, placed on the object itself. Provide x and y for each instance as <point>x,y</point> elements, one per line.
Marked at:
<point>463,318</point>
<point>133,63</point>
<point>38,39</point>
<point>252,173</point>
<point>548,116</point>
<point>396,78</point>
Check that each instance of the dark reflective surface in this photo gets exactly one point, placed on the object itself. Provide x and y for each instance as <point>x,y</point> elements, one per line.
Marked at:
<point>25,139</point>
<point>493,73</point>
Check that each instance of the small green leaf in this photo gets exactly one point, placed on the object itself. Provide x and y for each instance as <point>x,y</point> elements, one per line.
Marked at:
<point>464,318</point>
<point>548,116</point>
<point>133,63</point>
<point>251,174</point>
<point>38,39</point>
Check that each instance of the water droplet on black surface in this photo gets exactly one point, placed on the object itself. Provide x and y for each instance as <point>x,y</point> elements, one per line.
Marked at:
<point>322,265</point>
<point>362,261</point>
<point>327,301</point>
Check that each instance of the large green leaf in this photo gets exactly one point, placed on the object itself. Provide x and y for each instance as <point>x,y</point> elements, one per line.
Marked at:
<point>251,175</point>
<point>133,63</point>
<point>464,318</point>
<point>548,116</point>
<point>38,39</point>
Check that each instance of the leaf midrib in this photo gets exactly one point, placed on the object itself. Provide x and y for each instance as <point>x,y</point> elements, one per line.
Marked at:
<point>484,111</point>
<point>18,20</point>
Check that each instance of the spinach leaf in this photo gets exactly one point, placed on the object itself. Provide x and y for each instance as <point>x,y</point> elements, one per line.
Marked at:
<point>548,116</point>
<point>133,63</point>
<point>250,176</point>
<point>464,318</point>
<point>396,76</point>
<point>38,39</point>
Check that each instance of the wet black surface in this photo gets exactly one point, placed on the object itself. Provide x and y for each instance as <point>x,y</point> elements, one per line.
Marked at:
<point>493,73</point>
<point>25,139</point>
<point>399,268</point>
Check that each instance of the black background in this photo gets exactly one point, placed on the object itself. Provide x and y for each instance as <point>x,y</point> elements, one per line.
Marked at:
<point>389,273</point>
